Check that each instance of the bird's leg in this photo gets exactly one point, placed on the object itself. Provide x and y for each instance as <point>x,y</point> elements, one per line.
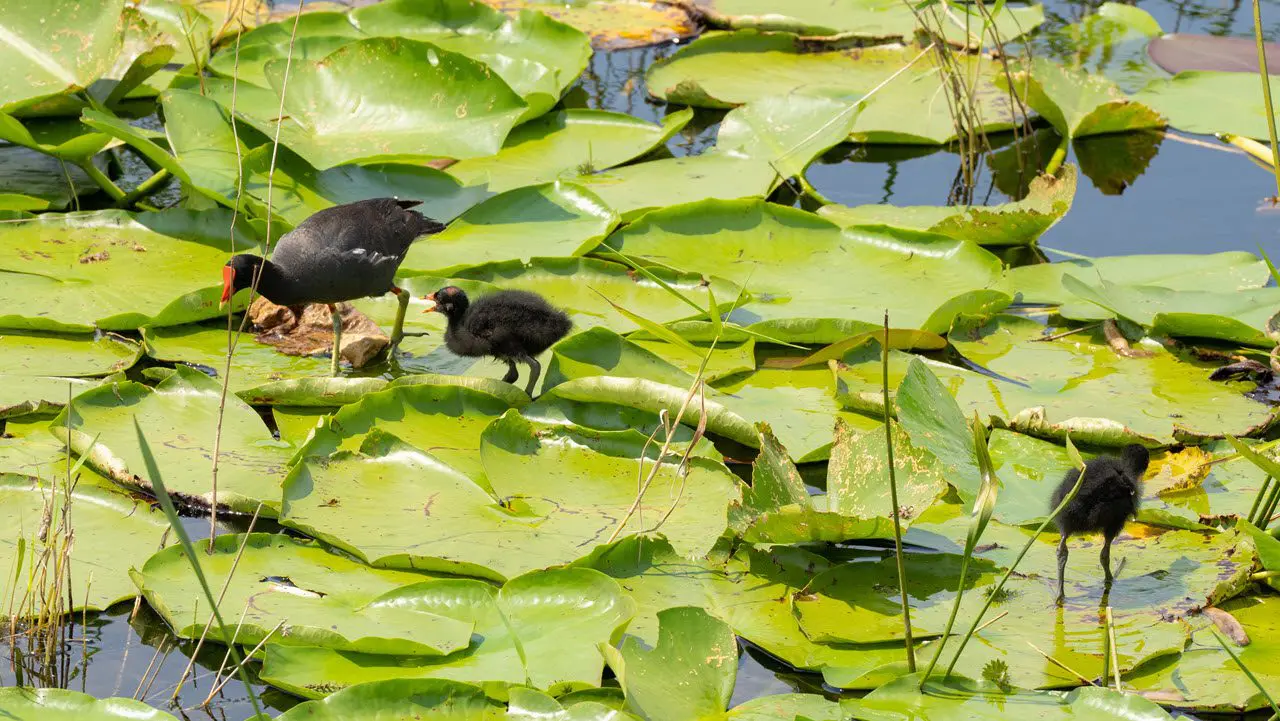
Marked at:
<point>337,338</point>
<point>535,370</point>
<point>1062,566</point>
<point>1105,557</point>
<point>397,331</point>
<point>512,372</point>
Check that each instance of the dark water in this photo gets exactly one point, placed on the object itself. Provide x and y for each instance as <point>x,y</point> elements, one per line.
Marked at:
<point>1189,198</point>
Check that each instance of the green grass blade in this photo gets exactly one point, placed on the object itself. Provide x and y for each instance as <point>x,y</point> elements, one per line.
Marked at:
<point>1253,679</point>
<point>654,327</point>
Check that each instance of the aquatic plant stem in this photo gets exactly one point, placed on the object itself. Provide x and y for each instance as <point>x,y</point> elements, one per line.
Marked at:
<point>146,188</point>
<point>102,180</point>
<point>1266,93</point>
<point>893,498</point>
<point>1059,156</point>
<point>1252,679</point>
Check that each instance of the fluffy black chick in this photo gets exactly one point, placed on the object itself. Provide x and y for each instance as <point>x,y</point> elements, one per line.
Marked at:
<point>1107,498</point>
<point>513,326</point>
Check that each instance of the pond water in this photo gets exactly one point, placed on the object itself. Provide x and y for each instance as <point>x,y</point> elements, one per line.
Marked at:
<point>1194,196</point>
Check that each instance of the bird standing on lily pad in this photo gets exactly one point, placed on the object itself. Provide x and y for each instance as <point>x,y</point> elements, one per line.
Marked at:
<point>338,254</point>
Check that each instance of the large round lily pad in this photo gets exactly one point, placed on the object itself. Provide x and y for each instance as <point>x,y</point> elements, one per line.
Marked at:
<point>53,47</point>
<point>56,704</point>
<point>1228,271</point>
<point>614,24</point>
<point>1203,101</point>
<point>112,532</point>
<point>322,599</point>
<point>47,354</point>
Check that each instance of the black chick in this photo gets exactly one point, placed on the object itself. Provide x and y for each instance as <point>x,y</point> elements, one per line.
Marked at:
<point>511,325</point>
<point>1107,498</point>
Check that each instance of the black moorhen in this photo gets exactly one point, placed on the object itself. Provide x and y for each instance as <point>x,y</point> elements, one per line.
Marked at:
<point>510,325</point>
<point>338,254</point>
<point>1108,496</point>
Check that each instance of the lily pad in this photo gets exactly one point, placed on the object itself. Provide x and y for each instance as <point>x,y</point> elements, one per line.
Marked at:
<point>1078,103</point>
<point>178,417</point>
<point>47,354</point>
<point>113,270</point>
<point>54,47</point>
<point>975,702</point>
<point>22,395</point>
<point>1233,270</point>
<point>205,346</point>
<point>1077,386</point>
<point>926,279</point>
<point>567,142</point>
<point>542,629</point>
<point>615,24</point>
<point>1018,223</point>
<point>729,69</point>
<point>55,704</point>
<point>424,698</point>
<point>556,495</point>
<point>1206,102</point>
<point>557,219</point>
<point>122,531</point>
<point>321,598</point>
<point>689,675</point>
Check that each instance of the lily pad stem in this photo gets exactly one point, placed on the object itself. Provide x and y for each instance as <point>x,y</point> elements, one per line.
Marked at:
<point>145,188</point>
<point>102,180</point>
<point>893,498</point>
<point>1058,157</point>
<point>1266,93</point>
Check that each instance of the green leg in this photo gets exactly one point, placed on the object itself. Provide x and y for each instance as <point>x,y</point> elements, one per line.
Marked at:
<point>397,331</point>
<point>337,338</point>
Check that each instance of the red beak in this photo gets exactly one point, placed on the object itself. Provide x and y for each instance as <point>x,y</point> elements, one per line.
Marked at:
<point>228,277</point>
<point>431,298</point>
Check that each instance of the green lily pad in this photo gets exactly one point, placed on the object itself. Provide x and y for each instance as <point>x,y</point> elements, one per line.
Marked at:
<point>1076,385</point>
<point>54,47</point>
<point>402,698</point>
<point>797,266</point>
<point>874,19</point>
<point>542,629</point>
<point>113,270</point>
<point>205,346</point>
<point>614,24</point>
<point>1078,103</point>
<point>554,488</point>
<point>556,219</point>
<point>1010,224</point>
<point>178,418</point>
<point>56,704</point>
<point>689,675</point>
<point>1235,317</point>
<point>63,138</point>
<point>47,354</point>
<point>986,702</point>
<point>1206,102</point>
<point>567,142</point>
<point>321,598</point>
<point>758,146</point>
<point>22,395</point>
<point>527,704</point>
<point>443,417</point>
<point>457,107</point>
<point>729,69</point>
<point>122,531</point>
<point>1233,270</point>
<point>1112,42</point>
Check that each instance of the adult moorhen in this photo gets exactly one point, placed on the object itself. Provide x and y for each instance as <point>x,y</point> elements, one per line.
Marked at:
<point>511,325</point>
<point>338,254</point>
<point>1107,497</point>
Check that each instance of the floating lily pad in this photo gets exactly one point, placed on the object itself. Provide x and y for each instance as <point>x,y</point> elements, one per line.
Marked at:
<point>542,629</point>
<point>54,47</point>
<point>568,142</point>
<point>205,346</point>
<point>557,219</point>
<point>1206,102</point>
<point>425,698</point>
<point>121,532</point>
<point>178,417</point>
<point>113,270</point>
<point>554,491</point>
<point>689,674</point>
<point>986,702</point>
<point>47,354</point>
<point>1018,223</point>
<point>614,24</point>
<point>1236,316</point>
<point>1078,103</point>
<point>926,279</point>
<point>56,704</point>
<point>322,599</point>
<point>726,70</point>
<point>1229,271</point>
<point>1179,52</point>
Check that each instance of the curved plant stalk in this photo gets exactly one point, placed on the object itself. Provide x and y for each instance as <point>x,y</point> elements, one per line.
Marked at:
<point>893,498</point>
<point>1266,93</point>
<point>1079,463</point>
<point>166,504</point>
<point>145,189</point>
<point>983,506</point>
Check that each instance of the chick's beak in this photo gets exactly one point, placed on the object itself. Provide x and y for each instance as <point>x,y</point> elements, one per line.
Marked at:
<point>431,303</point>
<point>228,278</point>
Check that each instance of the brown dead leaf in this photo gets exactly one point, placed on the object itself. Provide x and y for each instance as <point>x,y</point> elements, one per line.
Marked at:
<point>1228,625</point>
